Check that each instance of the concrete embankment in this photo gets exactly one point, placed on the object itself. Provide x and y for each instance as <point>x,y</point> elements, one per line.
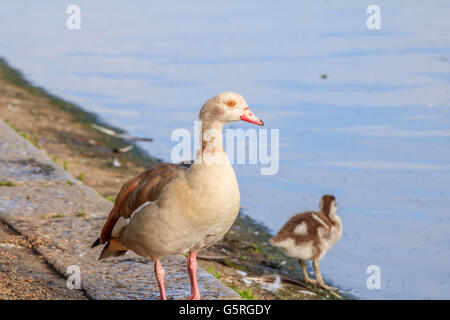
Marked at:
<point>61,217</point>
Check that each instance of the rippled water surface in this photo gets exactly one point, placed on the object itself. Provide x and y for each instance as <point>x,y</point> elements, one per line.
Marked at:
<point>375,132</point>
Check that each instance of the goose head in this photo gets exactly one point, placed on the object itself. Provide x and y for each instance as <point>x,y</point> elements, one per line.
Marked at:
<point>228,107</point>
<point>328,206</point>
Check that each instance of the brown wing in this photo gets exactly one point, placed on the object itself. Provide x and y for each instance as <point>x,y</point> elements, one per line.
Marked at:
<point>136,191</point>
<point>288,230</point>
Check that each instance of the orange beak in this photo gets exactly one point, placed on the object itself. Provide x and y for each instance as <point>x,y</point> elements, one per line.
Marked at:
<point>250,117</point>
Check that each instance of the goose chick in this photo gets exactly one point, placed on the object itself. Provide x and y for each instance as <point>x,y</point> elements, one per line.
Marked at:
<point>309,235</point>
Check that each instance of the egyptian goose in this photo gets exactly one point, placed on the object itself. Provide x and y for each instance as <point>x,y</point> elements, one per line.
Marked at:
<point>310,235</point>
<point>177,209</point>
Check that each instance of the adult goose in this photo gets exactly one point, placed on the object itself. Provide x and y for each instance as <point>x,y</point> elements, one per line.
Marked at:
<point>309,235</point>
<point>177,209</point>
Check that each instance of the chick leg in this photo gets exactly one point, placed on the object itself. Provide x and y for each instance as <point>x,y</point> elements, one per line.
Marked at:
<point>319,276</point>
<point>306,278</point>
<point>192,270</point>
<point>159,273</point>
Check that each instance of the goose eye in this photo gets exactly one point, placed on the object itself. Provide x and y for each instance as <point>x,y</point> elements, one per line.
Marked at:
<point>231,104</point>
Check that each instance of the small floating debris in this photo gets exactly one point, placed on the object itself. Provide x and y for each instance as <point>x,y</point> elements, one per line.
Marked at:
<point>119,135</point>
<point>123,150</point>
<point>273,287</point>
<point>116,163</point>
<point>284,279</point>
<point>336,295</point>
<point>10,245</point>
<point>247,282</point>
<point>307,292</point>
<point>12,108</point>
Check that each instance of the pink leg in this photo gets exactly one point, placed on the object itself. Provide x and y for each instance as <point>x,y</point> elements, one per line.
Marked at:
<point>192,270</point>
<point>159,273</point>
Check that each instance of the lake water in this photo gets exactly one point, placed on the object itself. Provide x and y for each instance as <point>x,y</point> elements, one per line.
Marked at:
<point>375,133</point>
